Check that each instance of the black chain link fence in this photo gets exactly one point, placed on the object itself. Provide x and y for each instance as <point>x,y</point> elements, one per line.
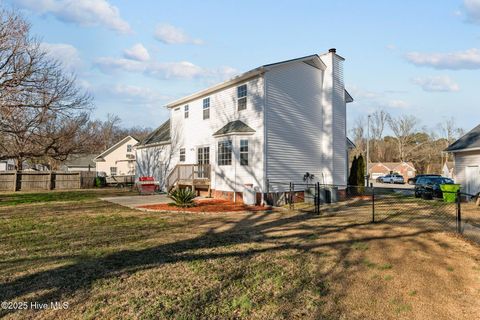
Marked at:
<point>398,205</point>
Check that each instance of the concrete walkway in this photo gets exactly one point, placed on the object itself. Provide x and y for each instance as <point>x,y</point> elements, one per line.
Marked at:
<point>135,201</point>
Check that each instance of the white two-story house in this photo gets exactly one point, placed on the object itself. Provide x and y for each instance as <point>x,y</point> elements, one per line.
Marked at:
<point>273,123</point>
<point>118,160</point>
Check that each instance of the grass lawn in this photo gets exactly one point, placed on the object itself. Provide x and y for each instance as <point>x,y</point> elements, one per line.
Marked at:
<point>111,262</point>
<point>12,199</point>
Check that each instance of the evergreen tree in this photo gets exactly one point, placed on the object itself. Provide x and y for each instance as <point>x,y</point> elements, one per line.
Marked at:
<point>352,178</point>
<point>360,171</point>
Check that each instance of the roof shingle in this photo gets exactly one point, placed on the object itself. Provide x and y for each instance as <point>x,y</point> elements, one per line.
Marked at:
<point>236,126</point>
<point>469,141</point>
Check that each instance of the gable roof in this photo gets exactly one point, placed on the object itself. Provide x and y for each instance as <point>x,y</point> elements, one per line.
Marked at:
<point>115,146</point>
<point>312,60</point>
<point>80,160</point>
<point>470,141</point>
<point>161,135</point>
<point>233,127</point>
<point>350,144</point>
<point>391,165</point>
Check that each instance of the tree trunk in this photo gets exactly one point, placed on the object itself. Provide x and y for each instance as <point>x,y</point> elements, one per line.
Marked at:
<point>19,164</point>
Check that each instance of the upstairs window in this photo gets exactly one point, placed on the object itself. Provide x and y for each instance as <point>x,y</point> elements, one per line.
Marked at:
<point>206,108</point>
<point>182,155</point>
<point>129,148</point>
<point>242,97</point>
<point>225,153</point>
<point>244,152</point>
<point>185,110</point>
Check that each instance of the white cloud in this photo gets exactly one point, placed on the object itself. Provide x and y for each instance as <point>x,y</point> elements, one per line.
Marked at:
<point>81,12</point>
<point>136,93</point>
<point>468,59</point>
<point>162,70</point>
<point>472,10</point>
<point>370,99</point>
<point>138,52</point>
<point>436,84</point>
<point>395,104</point>
<point>64,53</point>
<point>391,47</point>
<point>110,65</point>
<point>176,70</point>
<point>169,34</point>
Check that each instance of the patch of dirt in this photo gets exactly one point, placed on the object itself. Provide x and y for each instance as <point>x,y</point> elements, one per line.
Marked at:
<point>208,205</point>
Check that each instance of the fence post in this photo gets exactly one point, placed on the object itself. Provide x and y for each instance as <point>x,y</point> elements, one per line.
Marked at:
<point>318,198</point>
<point>459,213</point>
<point>265,198</point>
<point>290,196</point>
<point>373,203</point>
<point>293,196</point>
<point>14,181</point>
<point>49,181</point>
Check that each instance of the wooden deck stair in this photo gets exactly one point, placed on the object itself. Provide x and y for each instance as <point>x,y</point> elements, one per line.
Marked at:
<point>189,175</point>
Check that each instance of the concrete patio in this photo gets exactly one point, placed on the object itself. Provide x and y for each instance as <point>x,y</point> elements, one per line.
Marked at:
<point>135,201</point>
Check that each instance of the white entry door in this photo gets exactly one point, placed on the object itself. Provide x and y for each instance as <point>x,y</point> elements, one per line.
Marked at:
<point>472,178</point>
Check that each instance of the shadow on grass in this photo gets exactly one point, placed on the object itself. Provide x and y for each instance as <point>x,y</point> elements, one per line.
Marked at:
<point>80,276</point>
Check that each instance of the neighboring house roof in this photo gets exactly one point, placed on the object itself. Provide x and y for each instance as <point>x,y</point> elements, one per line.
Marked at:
<point>233,127</point>
<point>350,144</point>
<point>312,60</point>
<point>391,165</point>
<point>101,156</point>
<point>161,135</point>
<point>470,141</point>
<point>80,160</point>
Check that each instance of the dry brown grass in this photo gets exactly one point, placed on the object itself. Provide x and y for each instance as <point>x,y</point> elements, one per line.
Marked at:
<point>111,262</point>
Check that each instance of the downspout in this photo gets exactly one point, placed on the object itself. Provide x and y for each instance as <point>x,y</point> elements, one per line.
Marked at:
<point>234,143</point>
<point>265,176</point>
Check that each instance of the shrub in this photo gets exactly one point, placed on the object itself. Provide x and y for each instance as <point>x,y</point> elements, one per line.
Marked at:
<point>100,182</point>
<point>183,197</point>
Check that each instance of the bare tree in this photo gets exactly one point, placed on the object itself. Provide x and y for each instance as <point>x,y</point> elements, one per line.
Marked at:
<point>41,108</point>
<point>403,128</point>
<point>358,135</point>
<point>378,122</point>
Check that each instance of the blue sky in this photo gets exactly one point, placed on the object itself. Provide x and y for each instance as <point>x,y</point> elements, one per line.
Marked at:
<point>412,57</point>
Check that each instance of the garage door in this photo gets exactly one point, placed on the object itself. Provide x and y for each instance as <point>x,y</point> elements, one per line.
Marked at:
<point>472,175</point>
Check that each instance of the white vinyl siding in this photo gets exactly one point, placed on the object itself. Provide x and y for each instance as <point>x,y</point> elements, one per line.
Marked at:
<point>294,122</point>
<point>339,124</point>
<point>306,122</point>
<point>120,158</point>
<point>462,161</point>
<point>197,132</point>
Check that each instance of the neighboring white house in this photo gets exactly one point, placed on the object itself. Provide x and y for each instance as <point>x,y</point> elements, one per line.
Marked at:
<point>118,159</point>
<point>466,152</point>
<point>79,162</point>
<point>275,122</point>
<point>448,169</point>
<point>7,165</point>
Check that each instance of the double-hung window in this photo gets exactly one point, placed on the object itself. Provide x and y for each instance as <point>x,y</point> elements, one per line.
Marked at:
<point>242,97</point>
<point>244,152</point>
<point>206,108</point>
<point>185,110</point>
<point>182,155</point>
<point>113,171</point>
<point>129,148</point>
<point>224,153</point>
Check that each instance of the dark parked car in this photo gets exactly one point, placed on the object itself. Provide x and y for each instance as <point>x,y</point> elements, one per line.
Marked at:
<point>414,179</point>
<point>429,186</point>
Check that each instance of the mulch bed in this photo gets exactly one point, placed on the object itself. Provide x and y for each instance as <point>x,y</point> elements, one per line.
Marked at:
<point>207,205</point>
